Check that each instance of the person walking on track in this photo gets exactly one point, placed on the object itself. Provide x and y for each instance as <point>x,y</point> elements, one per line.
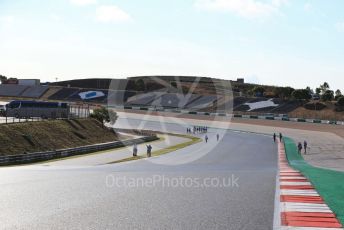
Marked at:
<point>149,150</point>
<point>305,145</point>
<point>135,150</point>
<point>299,147</point>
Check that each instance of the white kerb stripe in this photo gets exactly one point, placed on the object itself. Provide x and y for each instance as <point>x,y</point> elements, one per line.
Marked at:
<point>295,183</point>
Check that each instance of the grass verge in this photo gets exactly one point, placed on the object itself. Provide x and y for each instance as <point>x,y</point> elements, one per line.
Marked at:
<point>328,183</point>
<point>193,140</point>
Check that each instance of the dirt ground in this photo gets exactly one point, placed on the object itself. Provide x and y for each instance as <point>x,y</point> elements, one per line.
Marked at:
<point>327,113</point>
<point>336,129</point>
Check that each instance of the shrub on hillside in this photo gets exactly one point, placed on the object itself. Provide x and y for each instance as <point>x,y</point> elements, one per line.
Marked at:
<point>328,95</point>
<point>339,109</point>
<point>338,94</point>
<point>340,101</point>
<point>104,115</point>
<point>340,104</point>
<point>283,92</point>
<point>337,97</point>
<point>301,94</point>
<point>314,106</point>
<point>258,91</point>
<point>270,95</point>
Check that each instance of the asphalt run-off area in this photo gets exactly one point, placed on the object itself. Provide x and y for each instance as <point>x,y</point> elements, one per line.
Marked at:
<point>225,184</point>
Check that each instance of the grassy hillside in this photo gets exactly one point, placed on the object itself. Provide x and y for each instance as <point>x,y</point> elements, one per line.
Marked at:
<point>49,135</point>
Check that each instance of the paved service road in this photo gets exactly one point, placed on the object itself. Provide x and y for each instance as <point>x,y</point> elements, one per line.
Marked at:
<point>113,155</point>
<point>150,194</point>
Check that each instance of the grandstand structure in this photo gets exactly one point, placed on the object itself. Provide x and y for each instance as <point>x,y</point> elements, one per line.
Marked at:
<point>22,91</point>
<point>144,99</point>
<point>118,93</point>
<point>264,105</point>
<point>119,97</point>
<point>174,100</point>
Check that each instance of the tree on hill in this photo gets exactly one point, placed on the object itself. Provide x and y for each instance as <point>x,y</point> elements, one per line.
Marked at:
<point>338,94</point>
<point>340,101</point>
<point>324,87</point>
<point>140,85</point>
<point>104,115</point>
<point>258,91</point>
<point>328,95</point>
<point>309,90</point>
<point>340,104</point>
<point>301,94</point>
<point>288,91</point>
<point>2,78</point>
<point>283,92</point>
<point>318,91</point>
<point>131,85</point>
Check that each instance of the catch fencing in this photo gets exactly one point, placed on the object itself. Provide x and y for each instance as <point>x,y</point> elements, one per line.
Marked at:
<point>75,111</point>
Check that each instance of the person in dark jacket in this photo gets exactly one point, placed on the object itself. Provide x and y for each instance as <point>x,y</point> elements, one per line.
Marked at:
<point>135,150</point>
<point>305,145</point>
<point>299,147</point>
<point>149,150</point>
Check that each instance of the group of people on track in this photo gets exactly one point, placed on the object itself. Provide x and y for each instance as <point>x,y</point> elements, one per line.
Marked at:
<point>299,145</point>
<point>149,150</point>
<point>201,129</point>
<point>206,138</point>
<point>280,137</point>
<point>197,129</point>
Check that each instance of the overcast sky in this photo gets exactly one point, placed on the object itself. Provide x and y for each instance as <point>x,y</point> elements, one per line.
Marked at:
<point>276,42</point>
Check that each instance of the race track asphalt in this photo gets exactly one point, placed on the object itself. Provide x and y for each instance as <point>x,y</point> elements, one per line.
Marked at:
<point>188,193</point>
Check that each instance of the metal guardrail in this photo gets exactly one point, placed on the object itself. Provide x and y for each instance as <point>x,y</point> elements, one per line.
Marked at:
<point>137,132</point>
<point>49,155</point>
<point>272,117</point>
<point>302,120</point>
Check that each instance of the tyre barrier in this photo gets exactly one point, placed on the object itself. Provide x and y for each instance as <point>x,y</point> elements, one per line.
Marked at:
<point>50,155</point>
<point>270,118</point>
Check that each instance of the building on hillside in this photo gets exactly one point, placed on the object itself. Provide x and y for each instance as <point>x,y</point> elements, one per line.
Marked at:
<point>10,81</point>
<point>239,81</point>
<point>29,82</point>
<point>26,82</point>
<point>93,83</point>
